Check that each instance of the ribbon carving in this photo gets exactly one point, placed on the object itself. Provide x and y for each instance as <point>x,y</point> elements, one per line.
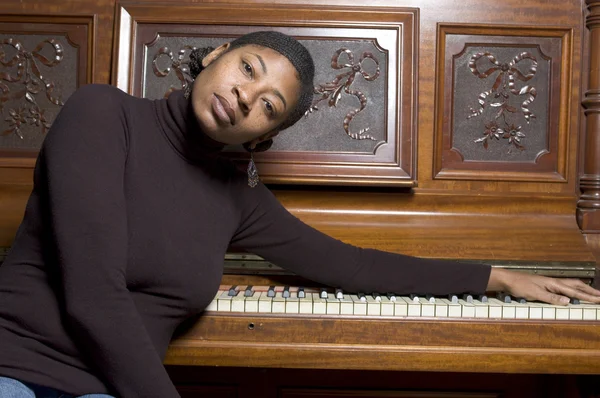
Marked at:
<point>342,83</point>
<point>178,64</point>
<point>28,73</point>
<point>505,84</point>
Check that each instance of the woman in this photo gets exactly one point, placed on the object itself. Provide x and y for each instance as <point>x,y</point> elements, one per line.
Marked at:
<point>133,210</point>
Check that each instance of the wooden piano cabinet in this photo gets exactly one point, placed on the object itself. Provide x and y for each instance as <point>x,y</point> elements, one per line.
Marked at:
<point>246,382</point>
<point>588,207</point>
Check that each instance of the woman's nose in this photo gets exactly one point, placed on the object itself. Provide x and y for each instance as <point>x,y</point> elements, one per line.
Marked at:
<point>245,95</point>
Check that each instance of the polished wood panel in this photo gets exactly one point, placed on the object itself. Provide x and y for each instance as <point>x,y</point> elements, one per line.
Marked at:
<point>338,342</point>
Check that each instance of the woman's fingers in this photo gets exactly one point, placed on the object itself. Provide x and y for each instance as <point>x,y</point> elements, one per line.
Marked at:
<point>579,292</point>
<point>552,298</point>
<point>584,287</point>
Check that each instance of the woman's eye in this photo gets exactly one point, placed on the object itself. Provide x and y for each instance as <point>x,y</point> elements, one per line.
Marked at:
<point>247,67</point>
<point>269,107</point>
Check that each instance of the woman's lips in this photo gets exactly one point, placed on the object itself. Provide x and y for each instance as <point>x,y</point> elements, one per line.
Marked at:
<point>223,110</point>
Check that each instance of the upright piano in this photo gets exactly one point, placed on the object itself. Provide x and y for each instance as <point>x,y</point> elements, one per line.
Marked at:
<point>466,131</point>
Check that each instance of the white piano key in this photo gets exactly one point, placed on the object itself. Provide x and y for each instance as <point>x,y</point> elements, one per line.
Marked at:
<point>251,302</point>
<point>224,302</point>
<point>427,307</point>
<point>536,311</point>
<point>333,304</point>
<point>387,306</point>
<point>213,304</point>
<point>521,310</point>
<point>278,303</point>
<point>292,304</point>
<point>468,309</point>
<point>238,302</point>
<point>454,308</point>
<point>414,308</point>
<point>562,312</point>
<point>265,302</point>
<point>509,310</point>
<point>548,311</point>
<point>346,306</point>
<point>590,311</point>
<point>319,304</point>
<point>360,306</point>
<point>482,310</point>
<point>441,308</point>
<point>575,312</point>
<point>400,307</point>
<point>495,308</point>
<point>306,302</point>
<point>373,306</point>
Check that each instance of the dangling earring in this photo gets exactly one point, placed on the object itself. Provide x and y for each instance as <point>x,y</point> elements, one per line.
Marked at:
<point>252,172</point>
<point>188,90</point>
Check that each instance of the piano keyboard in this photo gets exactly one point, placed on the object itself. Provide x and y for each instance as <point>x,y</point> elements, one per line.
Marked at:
<point>298,300</point>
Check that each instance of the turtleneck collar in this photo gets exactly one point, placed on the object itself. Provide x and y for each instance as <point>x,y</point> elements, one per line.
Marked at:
<point>177,118</point>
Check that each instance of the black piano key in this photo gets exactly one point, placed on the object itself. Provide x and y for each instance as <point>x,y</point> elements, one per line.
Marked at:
<point>361,296</point>
<point>453,298</point>
<point>391,296</point>
<point>483,298</point>
<point>468,298</point>
<point>286,292</point>
<point>301,293</point>
<point>574,301</point>
<point>271,291</point>
<point>430,298</point>
<point>505,298</point>
<point>522,301</point>
<point>232,291</point>
<point>376,296</point>
<point>323,294</point>
<point>248,292</point>
<point>339,294</point>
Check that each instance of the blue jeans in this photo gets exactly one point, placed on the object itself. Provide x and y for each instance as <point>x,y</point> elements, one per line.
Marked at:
<point>11,388</point>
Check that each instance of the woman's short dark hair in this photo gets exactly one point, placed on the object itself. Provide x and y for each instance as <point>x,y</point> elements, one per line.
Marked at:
<point>287,46</point>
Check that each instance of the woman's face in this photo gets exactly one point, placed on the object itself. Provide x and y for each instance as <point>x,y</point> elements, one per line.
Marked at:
<point>244,94</point>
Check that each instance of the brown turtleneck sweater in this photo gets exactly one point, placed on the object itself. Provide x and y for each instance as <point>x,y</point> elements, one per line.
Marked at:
<point>123,238</point>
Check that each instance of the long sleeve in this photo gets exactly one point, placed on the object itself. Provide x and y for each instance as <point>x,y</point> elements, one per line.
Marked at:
<point>81,174</point>
<point>269,230</point>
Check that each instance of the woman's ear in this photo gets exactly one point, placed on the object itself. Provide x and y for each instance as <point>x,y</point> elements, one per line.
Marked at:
<point>261,143</point>
<point>214,54</point>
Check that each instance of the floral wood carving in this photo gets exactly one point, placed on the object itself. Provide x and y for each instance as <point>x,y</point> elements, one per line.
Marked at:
<point>30,83</point>
<point>499,96</point>
<point>178,64</point>
<point>342,82</point>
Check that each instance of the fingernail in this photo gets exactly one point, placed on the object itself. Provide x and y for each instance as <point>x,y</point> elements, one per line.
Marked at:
<point>564,300</point>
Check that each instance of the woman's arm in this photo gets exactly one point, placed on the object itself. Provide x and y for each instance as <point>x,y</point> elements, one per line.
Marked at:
<point>269,230</point>
<point>80,175</point>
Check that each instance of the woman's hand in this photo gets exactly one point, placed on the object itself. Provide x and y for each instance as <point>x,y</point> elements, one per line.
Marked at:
<point>541,288</point>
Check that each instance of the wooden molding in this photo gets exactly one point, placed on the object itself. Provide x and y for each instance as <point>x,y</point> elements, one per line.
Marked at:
<point>588,206</point>
<point>548,164</point>
<point>334,161</point>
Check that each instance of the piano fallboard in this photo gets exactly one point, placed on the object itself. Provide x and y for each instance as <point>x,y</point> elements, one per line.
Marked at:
<point>387,343</point>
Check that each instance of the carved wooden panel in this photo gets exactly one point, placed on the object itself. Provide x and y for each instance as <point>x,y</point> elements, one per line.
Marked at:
<point>361,129</point>
<point>41,64</point>
<point>335,393</point>
<point>503,103</point>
